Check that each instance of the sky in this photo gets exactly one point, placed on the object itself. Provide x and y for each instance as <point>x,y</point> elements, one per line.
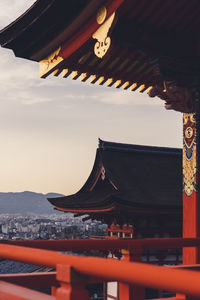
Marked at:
<point>49,128</point>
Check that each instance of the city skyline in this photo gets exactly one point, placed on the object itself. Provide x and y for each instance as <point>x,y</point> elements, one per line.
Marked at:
<point>50,128</point>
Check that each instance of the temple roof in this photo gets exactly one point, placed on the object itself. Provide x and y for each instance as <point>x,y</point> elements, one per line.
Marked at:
<point>130,178</point>
<point>73,37</point>
<point>42,27</point>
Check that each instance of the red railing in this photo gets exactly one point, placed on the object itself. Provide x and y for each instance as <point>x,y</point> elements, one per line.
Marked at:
<point>74,272</point>
<point>110,245</point>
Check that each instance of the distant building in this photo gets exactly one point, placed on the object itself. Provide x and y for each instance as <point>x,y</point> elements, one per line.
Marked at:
<point>139,186</point>
<point>5,228</point>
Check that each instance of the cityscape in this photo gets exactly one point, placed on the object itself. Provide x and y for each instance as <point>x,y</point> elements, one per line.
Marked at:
<point>44,227</point>
<point>55,226</point>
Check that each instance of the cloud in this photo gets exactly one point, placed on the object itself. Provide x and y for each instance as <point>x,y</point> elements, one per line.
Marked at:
<point>27,99</point>
<point>12,9</point>
<point>121,97</point>
<point>49,128</point>
<point>18,78</point>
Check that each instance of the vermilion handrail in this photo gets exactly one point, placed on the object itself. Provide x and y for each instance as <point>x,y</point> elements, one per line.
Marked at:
<point>180,281</point>
<point>97,244</point>
<point>15,292</point>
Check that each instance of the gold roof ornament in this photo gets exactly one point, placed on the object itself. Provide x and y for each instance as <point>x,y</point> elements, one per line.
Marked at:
<point>101,15</point>
<point>101,35</point>
<point>47,64</point>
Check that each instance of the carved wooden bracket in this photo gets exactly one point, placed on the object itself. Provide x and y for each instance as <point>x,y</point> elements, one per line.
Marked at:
<point>175,97</point>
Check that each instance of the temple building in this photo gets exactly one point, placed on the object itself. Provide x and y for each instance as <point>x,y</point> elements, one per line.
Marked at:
<point>135,45</point>
<point>149,46</point>
<point>132,185</point>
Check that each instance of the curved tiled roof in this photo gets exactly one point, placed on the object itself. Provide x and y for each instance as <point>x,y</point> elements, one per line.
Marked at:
<point>132,177</point>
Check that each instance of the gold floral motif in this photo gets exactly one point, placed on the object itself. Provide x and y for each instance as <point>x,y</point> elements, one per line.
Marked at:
<point>188,117</point>
<point>189,154</point>
<point>185,118</point>
<point>188,132</point>
<point>189,172</point>
<point>192,118</point>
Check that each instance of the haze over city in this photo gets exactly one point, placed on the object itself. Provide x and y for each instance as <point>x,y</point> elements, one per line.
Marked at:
<point>49,128</point>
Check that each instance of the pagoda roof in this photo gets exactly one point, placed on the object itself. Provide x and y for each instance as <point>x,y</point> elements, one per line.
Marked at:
<point>129,178</point>
<point>145,35</point>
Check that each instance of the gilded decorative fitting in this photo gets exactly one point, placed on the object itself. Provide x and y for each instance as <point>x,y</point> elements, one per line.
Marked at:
<point>47,64</point>
<point>83,76</point>
<point>75,74</point>
<point>93,78</point>
<point>133,86</point>
<point>109,82</point>
<point>65,73</point>
<point>101,35</point>
<point>189,154</point>
<point>101,79</point>
<point>126,84</point>
<point>118,83</point>
<point>101,15</point>
<point>56,72</point>
<point>148,90</point>
<point>141,88</point>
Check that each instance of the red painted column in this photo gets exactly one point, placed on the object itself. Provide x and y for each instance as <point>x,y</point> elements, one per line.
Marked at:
<point>191,192</point>
<point>129,291</point>
<point>72,284</point>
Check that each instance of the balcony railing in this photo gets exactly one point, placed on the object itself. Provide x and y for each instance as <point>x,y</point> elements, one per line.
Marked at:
<point>73,273</point>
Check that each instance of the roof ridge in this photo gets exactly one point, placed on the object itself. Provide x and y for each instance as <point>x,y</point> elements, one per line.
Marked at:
<point>107,145</point>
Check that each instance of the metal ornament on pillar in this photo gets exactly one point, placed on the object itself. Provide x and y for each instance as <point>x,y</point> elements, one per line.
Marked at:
<point>189,153</point>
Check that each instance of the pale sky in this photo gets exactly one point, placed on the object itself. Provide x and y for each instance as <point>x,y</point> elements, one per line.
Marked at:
<point>49,128</point>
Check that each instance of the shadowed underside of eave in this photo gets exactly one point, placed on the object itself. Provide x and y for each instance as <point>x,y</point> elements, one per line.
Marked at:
<point>145,36</point>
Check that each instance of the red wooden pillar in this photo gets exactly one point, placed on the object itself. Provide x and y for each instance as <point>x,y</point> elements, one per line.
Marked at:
<point>191,192</point>
<point>72,284</point>
<point>53,290</point>
<point>129,291</point>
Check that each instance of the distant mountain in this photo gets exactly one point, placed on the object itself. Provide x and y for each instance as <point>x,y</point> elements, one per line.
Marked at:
<point>26,203</point>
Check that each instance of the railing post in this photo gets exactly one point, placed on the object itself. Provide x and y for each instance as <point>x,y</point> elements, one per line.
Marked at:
<point>53,290</point>
<point>72,284</point>
<point>129,291</point>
